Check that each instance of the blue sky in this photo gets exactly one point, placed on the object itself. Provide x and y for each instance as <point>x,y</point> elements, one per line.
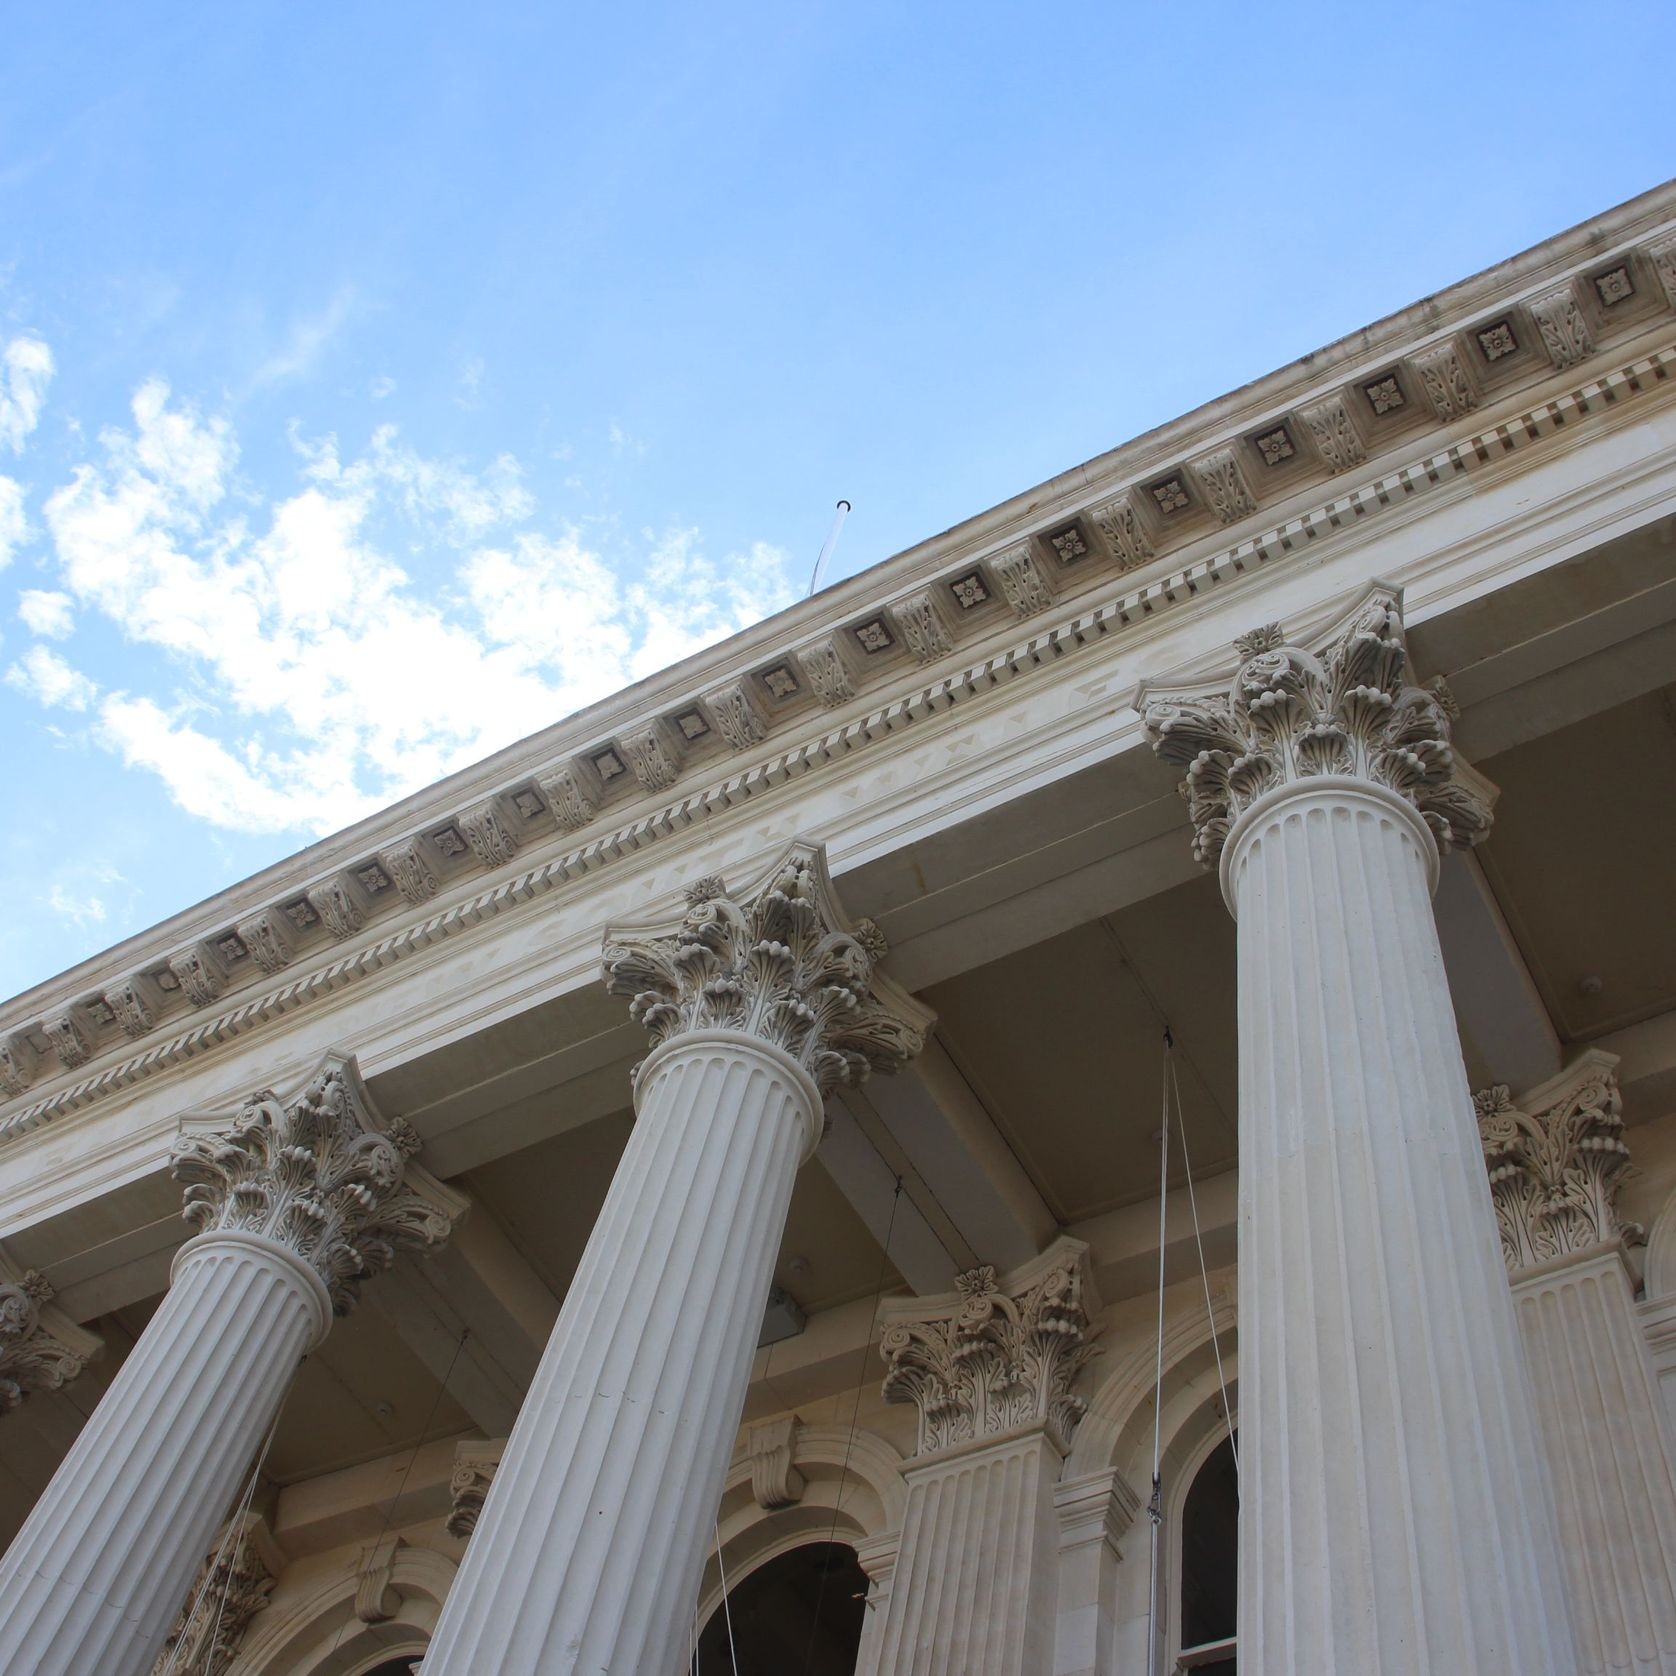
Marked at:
<point>379,383</point>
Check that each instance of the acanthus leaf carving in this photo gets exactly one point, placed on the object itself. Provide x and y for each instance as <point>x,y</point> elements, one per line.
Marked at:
<point>782,965</point>
<point>1556,1161</point>
<point>923,630</point>
<point>134,1003</point>
<point>1662,254</point>
<point>18,1063</point>
<point>1022,581</point>
<point>36,1354</point>
<point>1120,527</point>
<point>269,941</point>
<point>475,1466</point>
<point>71,1037</point>
<point>338,901</point>
<point>231,1587</point>
<point>1292,714</point>
<point>410,871</point>
<point>492,840</point>
<point>573,794</point>
<point>1336,438</point>
<point>737,717</point>
<point>1443,377</point>
<point>1223,485</point>
<point>319,1174</point>
<point>201,974</point>
<point>1565,333</point>
<point>654,757</point>
<point>1001,1354</point>
<point>827,671</point>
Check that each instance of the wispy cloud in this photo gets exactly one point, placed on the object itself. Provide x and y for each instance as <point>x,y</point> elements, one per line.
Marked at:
<point>469,395</point>
<point>26,370</point>
<point>46,613</point>
<point>41,674</point>
<point>306,342</point>
<point>14,526</point>
<point>80,911</point>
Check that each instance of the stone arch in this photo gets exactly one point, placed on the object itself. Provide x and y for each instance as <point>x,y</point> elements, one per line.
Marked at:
<point>313,1630</point>
<point>1659,1263</point>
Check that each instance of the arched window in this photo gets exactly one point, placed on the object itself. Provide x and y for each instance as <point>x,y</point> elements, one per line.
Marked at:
<point>802,1611</point>
<point>1210,1524</point>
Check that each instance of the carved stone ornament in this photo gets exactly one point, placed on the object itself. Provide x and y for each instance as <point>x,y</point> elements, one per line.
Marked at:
<point>1224,486</point>
<point>654,757</point>
<point>1557,1161</point>
<point>1120,526</point>
<point>782,964</point>
<point>1565,333</point>
<point>1444,378</point>
<point>133,1004</point>
<point>38,1351</point>
<point>1022,581</point>
<point>475,1465</point>
<point>996,1355</point>
<point>201,973</point>
<point>213,1621</point>
<point>319,1174</point>
<point>410,872</point>
<point>572,794</point>
<point>18,1061</point>
<point>770,1448</point>
<point>268,939</point>
<point>338,902</point>
<point>737,716</point>
<point>1292,713</point>
<point>1334,432</point>
<point>71,1037</point>
<point>921,624</point>
<point>828,674</point>
<point>491,839</point>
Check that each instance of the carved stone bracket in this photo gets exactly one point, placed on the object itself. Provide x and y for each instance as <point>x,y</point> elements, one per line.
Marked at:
<point>41,1348</point>
<point>782,964</point>
<point>770,1448</point>
<point>1293,712</point>
<point>319,1174</point>
<point>1557,1161</point>
<point>240,1571</point>
<point>475,1465</point>
<point>995,1354</point>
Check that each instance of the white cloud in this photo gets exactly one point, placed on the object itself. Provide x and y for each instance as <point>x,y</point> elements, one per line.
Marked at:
<point>14,527</point>
<point>306,341</point>
<point>310,675</point>
<point>381,387</point>
<point>49,614</point>
<point>470,394</point>
<point>25,372</point>
<point>79,910</point>
<point>41,674</point>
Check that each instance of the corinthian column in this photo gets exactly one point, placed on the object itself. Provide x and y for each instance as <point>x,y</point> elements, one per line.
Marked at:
<point>1557,1160</point>
<point>991,1370</point>
<point>588,1549</point>
<point>1393,1512</point>
<point>296,1203</point>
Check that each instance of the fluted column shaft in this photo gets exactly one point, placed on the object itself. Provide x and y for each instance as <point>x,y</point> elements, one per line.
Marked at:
<point>99,1571</point>
<point>1614,1479</point>
<point>974,1589</point>
<point>588,1550</point>
<point>1393,1519</point>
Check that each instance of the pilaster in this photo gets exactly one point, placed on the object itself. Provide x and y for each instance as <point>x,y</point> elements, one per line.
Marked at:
<point>1557,1160</point>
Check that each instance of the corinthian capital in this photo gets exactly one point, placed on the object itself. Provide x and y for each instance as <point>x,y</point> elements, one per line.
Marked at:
<point>231,1587</point>
<point>1344,707</point>
<point>41,1349</point>
<point>1557,1161</point>
<point>320,1174</point>
<point>994,1354</point>
<point>781,963</point>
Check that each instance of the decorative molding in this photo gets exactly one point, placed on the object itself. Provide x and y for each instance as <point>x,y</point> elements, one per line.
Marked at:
<point>485,829</point>
<point>783,964</point>
<point>18,1061</point>
<point>201,973</point>
<point>1293,713</point>
<point>771,1447</point>
<point>1145,602</point>
<point>1443,377</point>
<point>1097,1507</point>
<point>269,939</point>
<point>1334,433</point>
<point>1557,1162</point>
<point>377,1600</point>
<point>339,903</point>
<point>920,621</point>
<point>1223,485</point>
<point>134,1004</point>
<point>70,1035</point>
<point>827,670</point>
<point>1662,254</point>
<point>1565,333</point>
<point>1027,590</point>
<point>475,1466</point>
<point>994,1354</point>
<point>319,1174</point>
<point>41,1349</point>
<point>738,719</point>
<point>573,794</point>
<point>410,871</point>
<point>231,1587</point>
<point>654,756</point>
<point>1121,529</point>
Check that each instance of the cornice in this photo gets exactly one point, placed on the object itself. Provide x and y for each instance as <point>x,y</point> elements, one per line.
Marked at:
<point>719,724</point>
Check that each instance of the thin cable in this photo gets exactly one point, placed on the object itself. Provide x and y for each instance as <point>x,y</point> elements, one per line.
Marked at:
<point>407,1471</point>
<point>1155,1507</point>
<point>727,1605</point>
<point>1204,1273</point>
<point>849,1442</point>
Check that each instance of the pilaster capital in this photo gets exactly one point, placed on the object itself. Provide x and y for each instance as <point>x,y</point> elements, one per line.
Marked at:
<point>241,1570</point>
<point>995,1354</point>
<point>1342,705</point>
<point>781,963</point>
<point>41,1349</point>
<point>475,1466</point>
<point>1557,1160</point>
<point>319,1174</point>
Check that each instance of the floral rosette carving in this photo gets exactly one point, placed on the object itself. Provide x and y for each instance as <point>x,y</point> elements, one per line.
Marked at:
<point>317,1175</point>
<point>998,1362</point>
<point>1555,1176</point>
<point>781,967</point>
<point>1291,714</point>
<point>31,1358</point>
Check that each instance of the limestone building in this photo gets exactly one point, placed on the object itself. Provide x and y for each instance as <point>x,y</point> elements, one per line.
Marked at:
<point>711,1183</point>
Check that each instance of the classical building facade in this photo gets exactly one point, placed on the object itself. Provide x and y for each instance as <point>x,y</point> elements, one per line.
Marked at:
<point>1098,1099</point>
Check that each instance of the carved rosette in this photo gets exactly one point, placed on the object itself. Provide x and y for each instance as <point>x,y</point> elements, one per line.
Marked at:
<point>204,1641</point>
<point>1293,713</point>
<point>782,965</point>
<point>1557,1162</point>
<point>1000,1356</point>
<point>317,1174</point>
<point>32,1356</point>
